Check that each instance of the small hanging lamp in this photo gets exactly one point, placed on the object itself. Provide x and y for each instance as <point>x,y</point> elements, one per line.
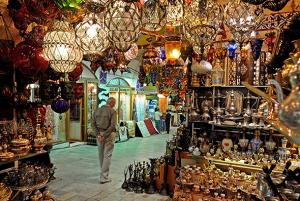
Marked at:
<point>172,49</point>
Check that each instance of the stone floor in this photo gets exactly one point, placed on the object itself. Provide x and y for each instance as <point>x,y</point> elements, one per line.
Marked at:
<point>78,170</point>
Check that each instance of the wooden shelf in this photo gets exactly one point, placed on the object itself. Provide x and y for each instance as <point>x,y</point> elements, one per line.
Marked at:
<point>30,155</point>
<point>236,128</point>
<point>225,165</point>
<point>225,86</point>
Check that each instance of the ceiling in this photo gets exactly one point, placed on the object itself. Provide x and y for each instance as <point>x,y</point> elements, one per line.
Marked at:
<point>142,41</point>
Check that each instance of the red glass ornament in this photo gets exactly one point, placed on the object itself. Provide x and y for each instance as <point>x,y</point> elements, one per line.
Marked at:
<point>75,74</point>
<point>36,36</point>
<point>6,92</point>
<point>211,54</point>
<point>41,11</point>
<point>22,58</point>
<point>20,16</point>
<point>39,61</point>
<point>78,90</point>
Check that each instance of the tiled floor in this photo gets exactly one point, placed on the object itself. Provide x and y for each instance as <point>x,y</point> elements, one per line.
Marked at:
<point>78,170</point>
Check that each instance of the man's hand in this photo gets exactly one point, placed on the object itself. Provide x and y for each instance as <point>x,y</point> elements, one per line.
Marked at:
<point>100,138</point>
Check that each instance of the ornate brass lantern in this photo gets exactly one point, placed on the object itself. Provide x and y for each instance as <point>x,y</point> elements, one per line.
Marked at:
<point>123,21</point>
<point>60,48</point>
<point>91,36</point>
<point>242,18</point>
<point>154,15</point>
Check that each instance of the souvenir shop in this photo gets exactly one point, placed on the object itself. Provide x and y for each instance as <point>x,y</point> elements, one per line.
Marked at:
<point>228,70</point>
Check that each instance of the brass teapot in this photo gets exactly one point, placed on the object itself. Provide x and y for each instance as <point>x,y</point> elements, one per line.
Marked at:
<point>285,114</point>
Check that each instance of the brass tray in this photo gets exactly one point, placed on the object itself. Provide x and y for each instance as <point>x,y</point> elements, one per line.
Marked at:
<point>5,192</point>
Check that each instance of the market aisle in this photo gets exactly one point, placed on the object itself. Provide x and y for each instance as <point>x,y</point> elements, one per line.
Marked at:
<point>78,170</point>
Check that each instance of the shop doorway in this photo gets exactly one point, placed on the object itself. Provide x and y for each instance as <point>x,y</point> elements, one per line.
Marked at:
<point>120,89</point>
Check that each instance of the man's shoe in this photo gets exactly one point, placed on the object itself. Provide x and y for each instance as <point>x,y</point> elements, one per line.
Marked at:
<point>105,181</point>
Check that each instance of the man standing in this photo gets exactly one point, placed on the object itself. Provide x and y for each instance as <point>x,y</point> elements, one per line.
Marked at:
<point>157,116</point>
<point>104,128</point>
<point>168,121</point>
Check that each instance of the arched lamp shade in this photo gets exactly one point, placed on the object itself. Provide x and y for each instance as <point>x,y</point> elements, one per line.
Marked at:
<point>172,49</point>
<point>60,48</point>
<point>123,21</point>
<point>91,35</point>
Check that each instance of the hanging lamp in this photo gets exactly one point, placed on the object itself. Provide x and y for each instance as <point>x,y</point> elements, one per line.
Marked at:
<point>153,15</point>
<point>172,49</point>
<point>123,21</point>
<point>175,12</point>
<point>60,48</point>
<point>91,36</point>
<point>201,21</point>
<point>242,18</point>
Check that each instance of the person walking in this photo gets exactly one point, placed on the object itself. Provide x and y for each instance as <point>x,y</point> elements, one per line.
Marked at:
<point>168,121</point>
<point>157,116</point>
<point>104,127</point>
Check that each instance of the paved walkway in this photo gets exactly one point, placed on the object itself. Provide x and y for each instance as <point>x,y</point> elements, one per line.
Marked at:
<point>78,170</point>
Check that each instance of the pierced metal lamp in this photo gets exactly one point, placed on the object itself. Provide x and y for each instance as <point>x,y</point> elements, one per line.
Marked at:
<point>153,15</point>
<point>175,12</point>
<point>123,21</point>
<point>91,36</point>
<point>60,48</point>
<point>242,18</point>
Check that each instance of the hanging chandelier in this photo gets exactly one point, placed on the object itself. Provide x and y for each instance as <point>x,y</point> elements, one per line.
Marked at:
<point>60,48</point>
<point>175,12</point>
<point>123,21</point>
<point>201,21</point>
<point>153,15</point>
<point>91,36</point>
<point>242,18</point>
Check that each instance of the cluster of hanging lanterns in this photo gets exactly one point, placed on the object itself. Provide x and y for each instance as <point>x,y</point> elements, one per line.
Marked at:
<point>118,23</point>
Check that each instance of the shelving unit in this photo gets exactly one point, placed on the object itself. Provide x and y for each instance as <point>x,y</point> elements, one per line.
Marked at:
<point>5,166</point>
<point>203,93</point>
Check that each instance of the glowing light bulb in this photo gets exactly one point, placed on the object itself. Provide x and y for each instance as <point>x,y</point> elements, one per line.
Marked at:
<point>92,31</point>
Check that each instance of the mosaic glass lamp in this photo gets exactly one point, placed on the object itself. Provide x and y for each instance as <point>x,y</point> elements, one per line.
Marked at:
<point>91,36</point>
<point>60,48</point>
<point>242,18</point>
<point>123,21</point>
<point>153,15</point>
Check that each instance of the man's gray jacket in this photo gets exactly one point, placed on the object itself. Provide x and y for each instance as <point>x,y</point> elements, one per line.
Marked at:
<point>104,120</point>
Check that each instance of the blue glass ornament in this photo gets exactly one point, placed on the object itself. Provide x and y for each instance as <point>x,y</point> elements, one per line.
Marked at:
<point>103,77</point>
<point>256,46</point>
<point>162,53</point>
<point>153,78</point>
<point>232,46</point>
